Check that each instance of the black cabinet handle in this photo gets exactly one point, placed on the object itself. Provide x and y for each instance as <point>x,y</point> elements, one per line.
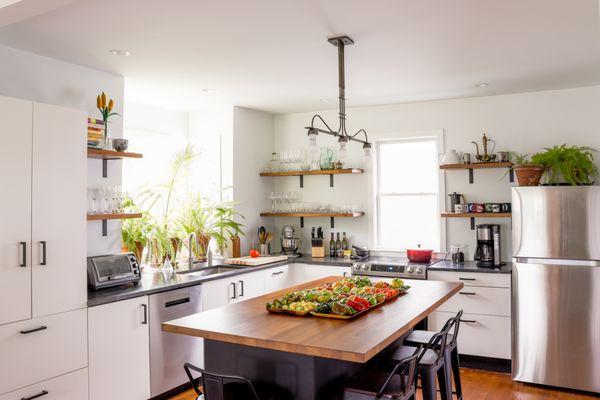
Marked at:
<point>234,290</point>
<point>277,273</point>
<point>467,279</point>
<point>35,396</point>
<point>41,328</point>
<point>468,293</point>
<point>24,254</point>
<point>177,302</point>
<point>241,288</point>
<point>43,243</point>
<point>468,321</point>
<point>145,320</point>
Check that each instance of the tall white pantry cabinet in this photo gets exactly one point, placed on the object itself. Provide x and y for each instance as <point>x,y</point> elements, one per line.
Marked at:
<point>43,315</point>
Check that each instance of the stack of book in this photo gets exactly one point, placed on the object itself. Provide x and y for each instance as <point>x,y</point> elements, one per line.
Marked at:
<point>95,132</point>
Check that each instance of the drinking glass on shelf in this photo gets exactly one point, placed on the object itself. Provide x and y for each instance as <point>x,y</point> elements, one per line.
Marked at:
<point>92,197</point>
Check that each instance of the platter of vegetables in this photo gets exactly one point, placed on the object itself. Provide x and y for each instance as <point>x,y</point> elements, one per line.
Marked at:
<point>343,299</point>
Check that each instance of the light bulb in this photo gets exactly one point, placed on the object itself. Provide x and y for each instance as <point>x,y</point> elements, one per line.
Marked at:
<point>367,154</point>
<point>313,150</point>
<point>342,153</point>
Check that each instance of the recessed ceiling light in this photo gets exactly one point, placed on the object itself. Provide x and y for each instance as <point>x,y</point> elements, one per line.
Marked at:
<point>119,52</point>
<point>482,84</point>
<point>205,90</point>
<point>324,100</point>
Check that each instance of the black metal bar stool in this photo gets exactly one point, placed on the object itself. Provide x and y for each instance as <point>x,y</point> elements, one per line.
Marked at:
<point>420,338</point>
<point>229,387</point>
<point>431,362</point>
<point>372,384</point>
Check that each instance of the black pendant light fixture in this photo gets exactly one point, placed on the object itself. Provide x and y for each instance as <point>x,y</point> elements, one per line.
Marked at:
<point>341,134</point>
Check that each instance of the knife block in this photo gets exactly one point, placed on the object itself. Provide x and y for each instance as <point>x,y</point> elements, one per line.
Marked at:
<point>318,248</point>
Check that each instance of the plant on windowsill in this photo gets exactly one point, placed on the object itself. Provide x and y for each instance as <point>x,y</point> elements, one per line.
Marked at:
<point>528,172</point>
<point>135,232</point>
<point>570,165</point>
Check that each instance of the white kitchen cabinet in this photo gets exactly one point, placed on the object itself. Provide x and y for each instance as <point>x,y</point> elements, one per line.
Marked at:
<point>309,272</point>
<point>15,213</point>
<point>237,288</point>
<point>278,278</point>
<point>119,354</point>
<point>485,328</point>
<point>38,349</point>
<point>72,386</point>
<point>59,281</point>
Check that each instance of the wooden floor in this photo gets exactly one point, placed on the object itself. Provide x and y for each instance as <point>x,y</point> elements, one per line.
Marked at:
<point>483,385</point>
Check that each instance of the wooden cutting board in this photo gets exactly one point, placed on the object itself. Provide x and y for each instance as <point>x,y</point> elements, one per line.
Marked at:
<point>254,262</point>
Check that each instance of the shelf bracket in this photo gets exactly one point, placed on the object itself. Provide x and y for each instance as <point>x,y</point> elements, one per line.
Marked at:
<point>301,181</point>
<point>470,175</point>
<point>301,222</point>
<point>511,175</point>
<point>332,221</point>
<point>104,227</point>
<point>472,223</point>
<point>330,180</point>
<point>104,168</point>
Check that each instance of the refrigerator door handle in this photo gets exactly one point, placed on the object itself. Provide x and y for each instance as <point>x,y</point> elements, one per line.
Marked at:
<point>552,261</point>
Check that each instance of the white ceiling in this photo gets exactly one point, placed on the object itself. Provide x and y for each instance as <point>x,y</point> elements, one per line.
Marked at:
<point>273,54</point>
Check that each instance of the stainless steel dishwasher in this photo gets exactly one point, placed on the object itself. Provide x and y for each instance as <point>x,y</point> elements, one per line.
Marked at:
<point>169,351</point>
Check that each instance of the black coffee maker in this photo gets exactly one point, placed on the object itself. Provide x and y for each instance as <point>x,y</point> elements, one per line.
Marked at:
<point>487,253</point>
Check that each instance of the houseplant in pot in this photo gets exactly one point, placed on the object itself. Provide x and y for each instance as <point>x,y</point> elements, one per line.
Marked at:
<point>527,170</point>
<point>135,232</point>
<point>571,165</point>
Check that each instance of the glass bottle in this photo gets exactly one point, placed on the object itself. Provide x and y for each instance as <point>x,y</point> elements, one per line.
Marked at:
<point>338,246</point>
<point>332,246</point>
<point>345,244</point>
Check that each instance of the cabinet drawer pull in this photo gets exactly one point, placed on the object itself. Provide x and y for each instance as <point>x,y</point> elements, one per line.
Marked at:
<point>467,279</point>
<point>234,290</point>
<point>24,254</point>
<point>35,396</point>
<point>145,320</point>
<point>177,302</point>
<point>41,328</point>
<point>277,273</point>
<point>468,293</point>
<point>468,321</point>
<point>241,288</point>
<point>43,243</point>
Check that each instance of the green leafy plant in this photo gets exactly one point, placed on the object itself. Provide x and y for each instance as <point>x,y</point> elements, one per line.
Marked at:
<point>573,164</point>
<point>135,232</point>
<point>520,159</point>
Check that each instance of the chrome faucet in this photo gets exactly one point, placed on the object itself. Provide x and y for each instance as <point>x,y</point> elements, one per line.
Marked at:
<point>192,241</point>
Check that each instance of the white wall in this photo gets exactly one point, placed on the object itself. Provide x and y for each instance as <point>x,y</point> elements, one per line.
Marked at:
<point>29,76</point>
<point>520,122</point>
<point>252,147</point>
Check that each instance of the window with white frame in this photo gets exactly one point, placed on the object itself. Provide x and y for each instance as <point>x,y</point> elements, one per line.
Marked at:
<point>407,194</point>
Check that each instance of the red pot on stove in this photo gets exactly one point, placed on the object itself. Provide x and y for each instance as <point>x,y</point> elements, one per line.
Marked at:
<point>419,255</point>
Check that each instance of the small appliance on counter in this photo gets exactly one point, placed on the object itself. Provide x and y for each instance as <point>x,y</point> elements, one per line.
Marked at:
<point>289,243</point>
<point>112,270</point>
<point>487,253</point>
<point>317,242</point>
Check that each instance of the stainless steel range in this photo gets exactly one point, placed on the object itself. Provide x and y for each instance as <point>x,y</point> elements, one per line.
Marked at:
<point>390,269</point>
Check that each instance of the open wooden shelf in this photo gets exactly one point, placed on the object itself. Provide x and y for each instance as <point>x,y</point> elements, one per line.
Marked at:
<point>105,217</point>
<point>477,165</point>
<point>488,165</point>
<point>476,215</point>
<point>102,217</point>
<point>302,215</point>
<point>302,174</point>
<point>320,172</point>
<point>111,154</point>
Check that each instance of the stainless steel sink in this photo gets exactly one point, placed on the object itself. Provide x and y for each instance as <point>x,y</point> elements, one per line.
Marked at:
<point>204,271</point>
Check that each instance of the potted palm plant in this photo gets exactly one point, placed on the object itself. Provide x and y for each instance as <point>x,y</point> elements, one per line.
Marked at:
<point>570,165</point>
<point>135,233</point>
<point>528,171</point>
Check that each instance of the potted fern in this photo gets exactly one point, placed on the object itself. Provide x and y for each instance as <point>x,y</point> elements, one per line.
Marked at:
<point>527,170</point>
<point>570,165</point>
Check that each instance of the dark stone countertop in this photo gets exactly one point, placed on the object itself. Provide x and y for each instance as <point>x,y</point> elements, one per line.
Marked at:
<point>154,281</point>
<point>469,266</point>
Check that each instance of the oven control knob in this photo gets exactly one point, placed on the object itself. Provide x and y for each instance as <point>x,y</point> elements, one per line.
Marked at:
<point>357,267</point>
<point>365,267</point>
<point>409,269</point>
<point>419,270</point>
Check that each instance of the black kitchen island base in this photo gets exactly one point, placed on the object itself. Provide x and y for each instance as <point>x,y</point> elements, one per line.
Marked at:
<point>306,377</point>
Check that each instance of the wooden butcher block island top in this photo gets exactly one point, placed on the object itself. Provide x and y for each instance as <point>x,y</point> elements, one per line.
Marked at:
<point>358,340</point>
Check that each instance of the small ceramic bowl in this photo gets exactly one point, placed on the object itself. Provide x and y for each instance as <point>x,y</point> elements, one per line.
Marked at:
<point>120,144</point>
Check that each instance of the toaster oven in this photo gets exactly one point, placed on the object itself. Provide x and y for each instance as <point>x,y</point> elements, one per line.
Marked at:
<point>112,270</point>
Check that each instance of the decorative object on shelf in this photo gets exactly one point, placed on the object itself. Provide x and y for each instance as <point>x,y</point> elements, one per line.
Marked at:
<point>327,156</point>
<point>528,172</point>
<point>450,157</point>
<point>503,156</point>
<point>95,132</point>
<point>120,144</point>
<point>456,199</point>
<point>573,165</point>
<point>105,105</point>
<point>341,134</point>
<point>486,156</point>
<point>466,158</point>
<point>461,208</point>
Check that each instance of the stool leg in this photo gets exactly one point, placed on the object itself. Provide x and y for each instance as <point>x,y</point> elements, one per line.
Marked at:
<point>443,375</point>
<point>428,384</point>
<point>456,373</point>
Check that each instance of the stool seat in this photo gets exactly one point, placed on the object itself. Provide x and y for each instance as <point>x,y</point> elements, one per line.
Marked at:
<point>423,337</point>
<point>366,385</point>
<point>429,357</point>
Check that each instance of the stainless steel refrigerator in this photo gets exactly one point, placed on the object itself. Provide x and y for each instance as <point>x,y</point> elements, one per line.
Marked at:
<point>556,286</point>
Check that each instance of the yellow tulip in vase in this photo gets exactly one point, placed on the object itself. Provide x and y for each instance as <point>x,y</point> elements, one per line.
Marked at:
<point>105,106</point>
